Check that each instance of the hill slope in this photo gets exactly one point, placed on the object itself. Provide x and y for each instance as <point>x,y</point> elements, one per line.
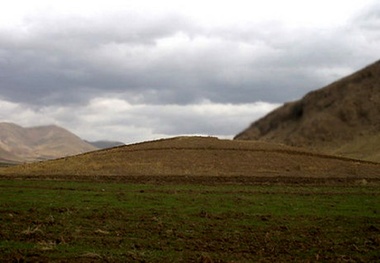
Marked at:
<point>105,144</point>
<point>342,118</point>
<point>199,156</point>
<point>18,144</point>
<point>7,157</point>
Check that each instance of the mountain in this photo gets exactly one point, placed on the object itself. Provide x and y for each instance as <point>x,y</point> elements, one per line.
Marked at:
<point>106,144</point>
<point>194,157</point>
<point>18,144</point>
<point>7,157</point>
<point>342,118</point>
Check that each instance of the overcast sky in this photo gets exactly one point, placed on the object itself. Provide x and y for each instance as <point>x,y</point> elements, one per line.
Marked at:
<point>145,69</point>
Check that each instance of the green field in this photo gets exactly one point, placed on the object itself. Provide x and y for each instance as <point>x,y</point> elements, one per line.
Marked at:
<point>59,221</point>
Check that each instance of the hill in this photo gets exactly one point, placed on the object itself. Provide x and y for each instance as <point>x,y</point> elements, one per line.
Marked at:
<point>105,144</point>
<point>341,119</point>
<point>201,156</point>
<point>7,157</point>
<point>18,144</point>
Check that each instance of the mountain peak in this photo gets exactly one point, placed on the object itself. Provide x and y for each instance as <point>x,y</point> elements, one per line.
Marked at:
<point>19,144</point>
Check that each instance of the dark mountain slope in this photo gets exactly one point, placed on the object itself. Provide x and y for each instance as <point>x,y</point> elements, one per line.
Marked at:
<point>342,118</point>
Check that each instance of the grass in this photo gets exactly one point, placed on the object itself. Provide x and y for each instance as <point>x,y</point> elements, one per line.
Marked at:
<point>199,157</point>
<point>94,222</point>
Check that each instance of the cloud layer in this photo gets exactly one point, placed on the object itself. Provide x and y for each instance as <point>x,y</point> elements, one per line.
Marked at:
<point>120,120</point>
<point>146,69</point>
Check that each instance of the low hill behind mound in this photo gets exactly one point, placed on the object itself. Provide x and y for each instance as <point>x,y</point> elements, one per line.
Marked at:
<point>201,156</point>
<point>105,144</point>
<point>342,118</point>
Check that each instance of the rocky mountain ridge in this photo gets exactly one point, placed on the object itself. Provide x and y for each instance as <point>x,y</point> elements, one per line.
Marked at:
<point>341,118</point>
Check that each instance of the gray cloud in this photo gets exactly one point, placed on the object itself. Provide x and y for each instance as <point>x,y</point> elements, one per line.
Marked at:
<point>167,73</point>
<point>171,59</point>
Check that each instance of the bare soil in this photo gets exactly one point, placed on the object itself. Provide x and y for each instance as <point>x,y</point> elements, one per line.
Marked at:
<point>201,158</point>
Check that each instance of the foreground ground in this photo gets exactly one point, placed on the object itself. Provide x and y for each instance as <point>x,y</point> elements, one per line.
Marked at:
<point>62,221</point>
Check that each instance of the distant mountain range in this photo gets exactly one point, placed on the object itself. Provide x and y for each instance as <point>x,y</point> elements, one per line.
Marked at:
<point>19,144</point>
<point>105,144</point>
<point>342,118</point>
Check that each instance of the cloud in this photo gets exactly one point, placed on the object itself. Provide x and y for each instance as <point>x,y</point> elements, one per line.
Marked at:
<point>143,69</point>
<point>172,58</point>
<point>117,119</point>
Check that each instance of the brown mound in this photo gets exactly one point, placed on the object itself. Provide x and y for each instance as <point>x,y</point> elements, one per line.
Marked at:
<point>342,118</point>
<point>200,156</point>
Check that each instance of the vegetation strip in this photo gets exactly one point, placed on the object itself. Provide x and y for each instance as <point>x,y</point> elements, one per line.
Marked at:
<point>201,180</point>
<point>47,220</point>
<point>217,149</point>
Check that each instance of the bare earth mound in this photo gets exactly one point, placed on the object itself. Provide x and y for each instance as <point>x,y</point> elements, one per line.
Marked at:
<point>342,118</point>
<point>201,156</point>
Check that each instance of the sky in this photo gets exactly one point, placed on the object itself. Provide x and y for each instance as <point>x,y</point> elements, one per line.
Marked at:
<point>141,70</point>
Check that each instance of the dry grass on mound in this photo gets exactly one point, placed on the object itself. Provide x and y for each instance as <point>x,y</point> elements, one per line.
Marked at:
<point>199,156</point>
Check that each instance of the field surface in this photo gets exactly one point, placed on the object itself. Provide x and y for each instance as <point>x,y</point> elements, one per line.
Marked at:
<point>85,221</point>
